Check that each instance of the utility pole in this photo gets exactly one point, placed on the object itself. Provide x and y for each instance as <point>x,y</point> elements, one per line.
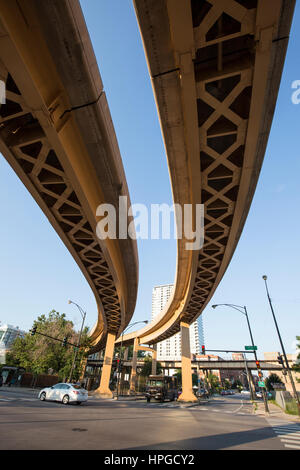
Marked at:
<point>243,310</point>
<point>296,396</point>
<point>83,315</point>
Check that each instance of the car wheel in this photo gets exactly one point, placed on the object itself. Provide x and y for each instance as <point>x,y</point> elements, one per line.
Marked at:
<point>43,396</point>
<point>65,399</point>
<point>78,403</point>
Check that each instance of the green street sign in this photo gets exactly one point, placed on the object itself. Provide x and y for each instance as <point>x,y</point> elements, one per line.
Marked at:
<point>261,383</point>
<point>251,348</point>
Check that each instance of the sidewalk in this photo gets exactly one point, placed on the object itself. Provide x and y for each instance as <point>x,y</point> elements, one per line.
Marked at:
<point>129,397</point>
<point>274,412</point>
<point>5,388</point>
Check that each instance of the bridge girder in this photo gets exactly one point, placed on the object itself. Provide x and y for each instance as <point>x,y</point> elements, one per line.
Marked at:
<point>56,133</point>
<point>215,68</point>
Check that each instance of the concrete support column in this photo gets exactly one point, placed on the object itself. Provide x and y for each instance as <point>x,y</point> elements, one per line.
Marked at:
<point>186,365</point>
<point>199,377</point>
<point>125,354</point>
<point>83,365</point>
<point>103,390</point>
<point>123,369</point>
<point>154,360</point>
<point>134,363</point>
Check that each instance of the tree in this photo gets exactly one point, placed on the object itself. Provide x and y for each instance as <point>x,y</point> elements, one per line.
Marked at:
<point>296,366</point>
<point>140,354</point>
<point>237,384</point>
<point>178,374</point>
<point>272,379</point>
<point>227,384</point>
<point>213,382</point>
<point>147,367</point>
<point>38,354</point>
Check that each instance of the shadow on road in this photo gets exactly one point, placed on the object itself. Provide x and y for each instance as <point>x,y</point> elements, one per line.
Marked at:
<point>217,441</point>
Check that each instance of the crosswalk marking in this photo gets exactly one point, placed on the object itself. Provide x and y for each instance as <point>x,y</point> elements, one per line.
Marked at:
<point>286,430</point>
<point>17,399</point>
<point>242,410</point>
<point>294,441</point>
<point>292,447</point>
<point>288,433</point>
<point>282,433</point>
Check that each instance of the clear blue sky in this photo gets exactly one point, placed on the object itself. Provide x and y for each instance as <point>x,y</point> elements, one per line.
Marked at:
<point>37,272</point>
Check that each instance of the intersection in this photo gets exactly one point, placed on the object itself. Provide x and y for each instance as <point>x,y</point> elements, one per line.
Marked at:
<point>217,424</point>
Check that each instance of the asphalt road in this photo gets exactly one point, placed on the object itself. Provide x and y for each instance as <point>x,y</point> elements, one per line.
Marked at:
<point>222,423</point>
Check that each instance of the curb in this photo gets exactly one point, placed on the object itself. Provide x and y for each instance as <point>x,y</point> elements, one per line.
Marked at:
<point>129,398</point>
<point>274,412</point>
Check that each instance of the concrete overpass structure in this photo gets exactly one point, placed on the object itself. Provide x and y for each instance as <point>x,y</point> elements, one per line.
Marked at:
<point>57,134</point>
<point>215,68</point>
<point>202,365</point>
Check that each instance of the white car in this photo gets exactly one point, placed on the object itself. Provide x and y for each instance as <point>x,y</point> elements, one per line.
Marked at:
<point>66,393</point>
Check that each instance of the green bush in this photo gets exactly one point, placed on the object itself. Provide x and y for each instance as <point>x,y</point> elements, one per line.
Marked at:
<point>291,407</point>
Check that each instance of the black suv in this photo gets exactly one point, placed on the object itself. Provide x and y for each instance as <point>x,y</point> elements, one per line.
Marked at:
<point>161,388</point>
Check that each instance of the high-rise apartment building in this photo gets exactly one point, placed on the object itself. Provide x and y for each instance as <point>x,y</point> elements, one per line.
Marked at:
<point>8,334</point>
<point>170,349</point>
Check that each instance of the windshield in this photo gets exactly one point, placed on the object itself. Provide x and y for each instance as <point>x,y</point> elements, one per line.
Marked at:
<point>155,383</point>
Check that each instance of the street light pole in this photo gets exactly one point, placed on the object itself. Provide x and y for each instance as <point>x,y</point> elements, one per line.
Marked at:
<point>244,312</point>
<point>83,314</point>
<point>282,347</point>
<point>121,354</point>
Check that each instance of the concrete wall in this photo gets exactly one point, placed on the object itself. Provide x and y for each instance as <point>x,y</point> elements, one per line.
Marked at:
<point>283,397</point>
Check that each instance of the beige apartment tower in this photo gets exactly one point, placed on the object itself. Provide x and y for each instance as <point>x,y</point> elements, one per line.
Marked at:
<point>170,349</point>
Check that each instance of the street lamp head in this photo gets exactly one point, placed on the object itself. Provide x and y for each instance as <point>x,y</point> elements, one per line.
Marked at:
<point>69,301</point>
<point>264,277</point>
<point>214,306</point>
<point>133,324</point>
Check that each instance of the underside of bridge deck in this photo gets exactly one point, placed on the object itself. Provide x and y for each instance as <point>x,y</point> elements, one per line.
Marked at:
<point>56,133</point>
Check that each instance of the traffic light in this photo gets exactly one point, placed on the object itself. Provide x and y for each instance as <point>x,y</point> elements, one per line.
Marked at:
<point>203,349</point>
<point>280,360</point>
<point>258,369</point>
<point>64,342</point>
<point>33,330</point>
